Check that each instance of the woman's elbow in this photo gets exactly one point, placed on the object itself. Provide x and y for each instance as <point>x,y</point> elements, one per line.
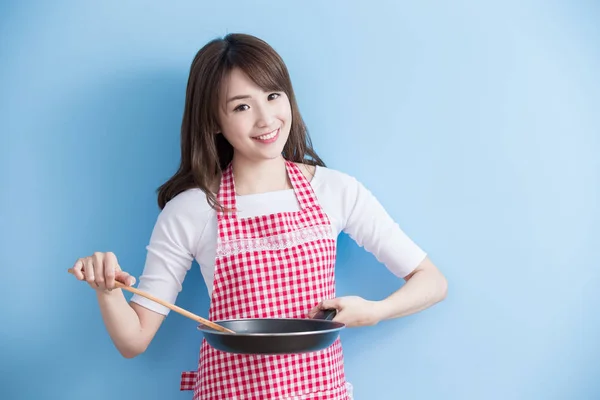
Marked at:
<point>132,350</point>
<point>443,288</point>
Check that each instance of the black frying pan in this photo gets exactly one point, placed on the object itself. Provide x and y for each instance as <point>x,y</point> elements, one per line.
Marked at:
<point>275,335</point>
<point>260,335</point>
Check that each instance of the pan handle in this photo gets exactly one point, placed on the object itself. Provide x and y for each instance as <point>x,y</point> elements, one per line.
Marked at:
<point>326,314</point>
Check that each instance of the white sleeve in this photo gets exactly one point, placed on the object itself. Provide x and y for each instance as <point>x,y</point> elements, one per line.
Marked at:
<point>368,223</point>
<point>170,252</point>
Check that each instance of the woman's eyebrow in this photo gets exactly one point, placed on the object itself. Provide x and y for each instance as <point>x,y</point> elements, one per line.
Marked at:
<point>239,97</point>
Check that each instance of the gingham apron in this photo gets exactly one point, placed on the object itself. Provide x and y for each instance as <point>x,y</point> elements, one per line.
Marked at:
<point>271,266</point>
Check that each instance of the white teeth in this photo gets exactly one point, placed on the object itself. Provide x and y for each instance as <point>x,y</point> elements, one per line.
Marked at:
<point>268,135</point>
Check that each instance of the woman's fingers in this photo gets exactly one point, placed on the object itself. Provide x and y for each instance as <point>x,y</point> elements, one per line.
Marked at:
<point>88,270</point>
<point>77,269</point>
<point>101,271</point>
<point>110,269</point>
<point>98,261</point>
<point>125,278</point>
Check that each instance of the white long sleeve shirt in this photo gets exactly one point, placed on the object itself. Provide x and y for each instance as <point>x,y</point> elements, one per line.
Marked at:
<point>186,229</point>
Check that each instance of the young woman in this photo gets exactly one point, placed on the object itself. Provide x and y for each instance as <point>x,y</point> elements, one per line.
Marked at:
<point>254,204</point>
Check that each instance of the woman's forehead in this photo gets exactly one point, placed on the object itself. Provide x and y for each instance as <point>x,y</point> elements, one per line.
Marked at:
<point>236,82</point>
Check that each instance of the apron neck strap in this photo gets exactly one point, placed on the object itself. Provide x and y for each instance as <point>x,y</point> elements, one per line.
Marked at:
<point>302,188</point>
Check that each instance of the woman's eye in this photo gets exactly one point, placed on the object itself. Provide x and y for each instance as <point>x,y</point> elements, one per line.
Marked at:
<point>273,96</point>
<point>241,107</point>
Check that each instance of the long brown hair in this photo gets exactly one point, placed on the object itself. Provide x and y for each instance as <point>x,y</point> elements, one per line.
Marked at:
<point>205,154</point>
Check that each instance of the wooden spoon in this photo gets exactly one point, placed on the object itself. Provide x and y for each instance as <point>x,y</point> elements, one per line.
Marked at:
<point>170,306</point>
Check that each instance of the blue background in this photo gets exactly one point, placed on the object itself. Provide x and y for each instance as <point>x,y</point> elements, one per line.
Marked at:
<point>475,123</point>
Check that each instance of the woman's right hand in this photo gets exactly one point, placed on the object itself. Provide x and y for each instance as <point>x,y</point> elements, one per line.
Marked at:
<point>101,270</point>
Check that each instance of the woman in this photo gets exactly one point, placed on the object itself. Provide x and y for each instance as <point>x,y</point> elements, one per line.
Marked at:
<point>254,204</point>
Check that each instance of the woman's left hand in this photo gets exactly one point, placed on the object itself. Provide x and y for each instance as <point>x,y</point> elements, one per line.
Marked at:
<point>353,311</point>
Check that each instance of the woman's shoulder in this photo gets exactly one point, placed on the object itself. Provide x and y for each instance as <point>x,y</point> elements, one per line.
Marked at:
<point>182,222</point>
<point>189,204</point>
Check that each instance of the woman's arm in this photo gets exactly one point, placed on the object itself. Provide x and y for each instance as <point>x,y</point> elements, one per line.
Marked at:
<point>424,287</point>
<point>130,326</point>
<point>370,226</point>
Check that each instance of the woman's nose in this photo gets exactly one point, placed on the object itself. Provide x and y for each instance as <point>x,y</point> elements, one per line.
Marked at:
<point>264,117</point>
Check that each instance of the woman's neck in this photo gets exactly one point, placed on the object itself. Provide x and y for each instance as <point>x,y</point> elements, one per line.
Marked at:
<point>252,177</point>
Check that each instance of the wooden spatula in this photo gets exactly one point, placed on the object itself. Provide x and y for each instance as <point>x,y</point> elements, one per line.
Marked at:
<point>170,306</point>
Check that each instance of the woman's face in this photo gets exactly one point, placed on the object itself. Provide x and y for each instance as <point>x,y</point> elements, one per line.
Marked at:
<point>256,123</point>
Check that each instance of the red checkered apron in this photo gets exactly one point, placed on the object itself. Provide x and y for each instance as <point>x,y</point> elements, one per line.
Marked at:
<point>271,266</point>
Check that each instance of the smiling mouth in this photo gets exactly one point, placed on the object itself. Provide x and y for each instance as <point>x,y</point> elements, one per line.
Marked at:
<point>268,137</point>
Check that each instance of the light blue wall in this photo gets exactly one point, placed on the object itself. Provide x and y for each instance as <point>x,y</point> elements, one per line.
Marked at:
<point>476,124</point>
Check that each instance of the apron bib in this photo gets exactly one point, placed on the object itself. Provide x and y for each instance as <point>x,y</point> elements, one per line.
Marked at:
<point>271,266</point>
